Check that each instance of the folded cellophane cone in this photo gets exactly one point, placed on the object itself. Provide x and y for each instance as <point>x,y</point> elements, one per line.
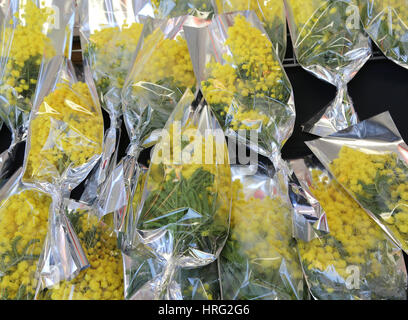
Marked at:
<point>184,210</point>
<point>356,260</point>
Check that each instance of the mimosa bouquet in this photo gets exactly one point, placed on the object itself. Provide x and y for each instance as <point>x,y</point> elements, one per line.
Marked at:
<point>161,72</point>
<point>243,80</point>
<point>109,41</point>
<point>329,41</point>
<point>386,22</point>
<point>175,8</point>
<point>182,220</point>
<point>64,142</point>
<point>31,32</point>
<point>260,259</point>
<point>271,13</point>
<point>23,227</point>
<point>103,280</point>
<point>356,260</point>
<point>369,160</point>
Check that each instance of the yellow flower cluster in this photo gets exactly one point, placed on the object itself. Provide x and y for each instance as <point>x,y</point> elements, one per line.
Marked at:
<point>111,50</point>
<point>261,227</point>
<point>270,12</point>
<point>28,44</point>
<point>251,72</point>
<point>169,60</point>
<point>23,227</point>
<point>380,183</point>
<point>354,240</point>
<point>205,154</point>
<point>103,280</point>
<point>66,132</point>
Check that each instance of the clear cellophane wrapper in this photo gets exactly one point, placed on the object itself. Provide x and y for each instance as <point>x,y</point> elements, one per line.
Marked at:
<point>309,218</point>
<point>24,214</point>
<point>356,260</point>
<point>103,280</point>
<point>181,222</point>
<point>369,160</point>
<point>29,31</point>
<point>271,13</point>
<point>161,72</point>
<point>64,142</point>
<point>329,41</point>
<point>174,8</point>
<point>260,259</point>
<point>110,32</point>
<point>243,80</point>
<point>386,22</point>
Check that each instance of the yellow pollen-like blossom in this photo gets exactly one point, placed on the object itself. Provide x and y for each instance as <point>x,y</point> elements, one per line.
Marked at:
<point>23,227</point>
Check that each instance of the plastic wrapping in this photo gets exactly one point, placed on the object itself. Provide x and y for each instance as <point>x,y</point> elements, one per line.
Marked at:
<point>369,160</point>
<point>260,259</point>
<point>309,219</point>
<point>23,228</point>
<point>174,8</point>
<point>182,220</point>
<point>161,72</point>
<point>356,260</point>
<point>271,13</point>
<point>64,143</point>
<point>31,32</point>
<point>103,280</point>
<point>243,80</point>
<point>110,33</point>
<point>386,22</point>
<point>329,41</point>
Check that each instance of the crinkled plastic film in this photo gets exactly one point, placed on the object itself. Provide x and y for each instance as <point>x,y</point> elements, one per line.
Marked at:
<point>182,220</point>
<point>30,33</point>
<point>260,259</point>
<point>23,227</point>
<point>161,72</point>
<point>386,22</point>
<point>270,12</point>
<point>243,80</point>
<point>110,33</point>
<point>175,8</point>
<point>64,143</point>
<point>356,261</point>
<point>309,219</point>
<point>103,280</point>
<point>369,160</point>
<point>329,41</point>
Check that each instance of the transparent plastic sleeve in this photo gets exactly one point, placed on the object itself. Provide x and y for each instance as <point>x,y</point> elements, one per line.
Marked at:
<point>110,33</point>
<point>103,280</point>
<point>329,41</point>
<point>64,142</point>
<point>270,12</point>
<point>182,220</point>
<point>260,259</point>
<point>386,22</point>
<point>174,8</point>
<point>23,228</point>
<point>243,80</point>
<point>369,160</point>
<point>356,261</point>
<point>161,72</point>
<point>31,32</point>
<point>309,219</point>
